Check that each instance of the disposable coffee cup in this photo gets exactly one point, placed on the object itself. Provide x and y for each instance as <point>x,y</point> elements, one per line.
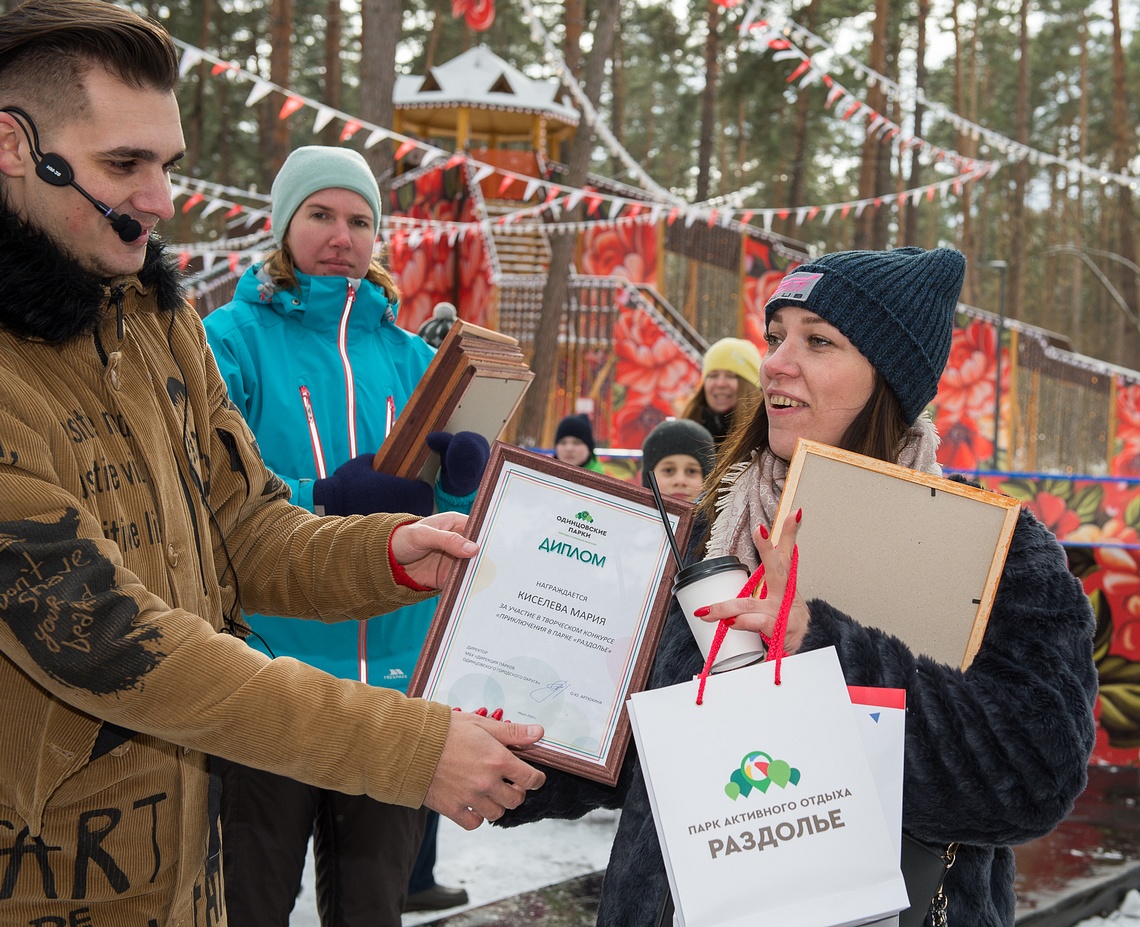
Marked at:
<point>706,583</point>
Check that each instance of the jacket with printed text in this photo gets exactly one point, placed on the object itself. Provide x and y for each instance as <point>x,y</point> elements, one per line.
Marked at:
<point>134,510</point>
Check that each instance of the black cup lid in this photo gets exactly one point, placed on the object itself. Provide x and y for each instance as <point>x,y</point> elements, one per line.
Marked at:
<point>702,569</point>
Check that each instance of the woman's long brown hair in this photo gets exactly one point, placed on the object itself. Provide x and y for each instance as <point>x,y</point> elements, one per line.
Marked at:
<point>698,404</point>
<point>282,271</point>
<point>879,431</point>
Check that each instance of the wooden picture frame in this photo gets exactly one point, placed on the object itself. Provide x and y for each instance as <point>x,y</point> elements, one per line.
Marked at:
<point>475,382</point>
<point>556,620</point>
<point>914,554</point>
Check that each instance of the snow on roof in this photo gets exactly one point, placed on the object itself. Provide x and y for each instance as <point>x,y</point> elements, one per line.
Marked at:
<point>480,79</point>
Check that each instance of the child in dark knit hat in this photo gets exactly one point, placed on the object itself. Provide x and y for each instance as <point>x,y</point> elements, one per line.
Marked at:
<point>574,443</point>
<point>680,453</point>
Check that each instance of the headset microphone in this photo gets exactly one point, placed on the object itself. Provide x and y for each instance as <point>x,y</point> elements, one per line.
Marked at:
<point>55,170</point>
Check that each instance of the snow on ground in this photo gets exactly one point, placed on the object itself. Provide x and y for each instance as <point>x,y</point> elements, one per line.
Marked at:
<point>493,863</point>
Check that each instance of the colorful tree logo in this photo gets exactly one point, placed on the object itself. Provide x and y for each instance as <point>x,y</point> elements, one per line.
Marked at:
<point>759,771</point>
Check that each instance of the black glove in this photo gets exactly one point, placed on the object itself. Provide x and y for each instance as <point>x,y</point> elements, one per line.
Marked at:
<point>462,460</point>
<point>356,489</point>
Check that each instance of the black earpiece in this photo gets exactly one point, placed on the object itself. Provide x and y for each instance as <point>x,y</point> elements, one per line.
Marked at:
<point>54,169</point>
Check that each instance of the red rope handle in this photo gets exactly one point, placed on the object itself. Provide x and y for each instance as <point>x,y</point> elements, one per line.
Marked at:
<point>775,643</point>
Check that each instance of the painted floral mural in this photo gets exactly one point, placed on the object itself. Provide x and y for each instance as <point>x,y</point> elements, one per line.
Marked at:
<point>763,269</point>
<point>1126,459</point>
<point>653,377</point>
<point>964,406</point>
<point>1098,520</point>
<point>627,250</point>
<point>431,266</point>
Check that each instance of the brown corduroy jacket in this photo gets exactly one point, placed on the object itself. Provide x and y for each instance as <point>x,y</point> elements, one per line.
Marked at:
<point>134,510</point>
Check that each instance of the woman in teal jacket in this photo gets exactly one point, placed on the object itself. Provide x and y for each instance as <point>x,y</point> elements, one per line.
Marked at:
<point>311,354</point>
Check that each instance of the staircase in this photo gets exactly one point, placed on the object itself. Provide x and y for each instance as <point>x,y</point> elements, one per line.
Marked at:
<point>521,250</point>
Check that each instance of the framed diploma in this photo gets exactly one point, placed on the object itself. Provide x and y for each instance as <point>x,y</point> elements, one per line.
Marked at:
<point>557,618</point>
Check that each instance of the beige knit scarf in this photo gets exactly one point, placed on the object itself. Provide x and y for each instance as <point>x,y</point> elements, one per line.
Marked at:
<point>749,493</point>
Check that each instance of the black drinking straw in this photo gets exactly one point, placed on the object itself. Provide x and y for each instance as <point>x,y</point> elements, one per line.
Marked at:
<point>665,519</point>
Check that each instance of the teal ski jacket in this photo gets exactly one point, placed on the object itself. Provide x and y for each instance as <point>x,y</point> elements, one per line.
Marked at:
<point>312,375</point>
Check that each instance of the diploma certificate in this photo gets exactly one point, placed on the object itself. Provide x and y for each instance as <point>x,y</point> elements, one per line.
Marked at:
<point>557,617</point>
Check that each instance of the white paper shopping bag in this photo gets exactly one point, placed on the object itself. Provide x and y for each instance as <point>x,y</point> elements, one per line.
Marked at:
<point>764,801</point>
<point>880,715</point>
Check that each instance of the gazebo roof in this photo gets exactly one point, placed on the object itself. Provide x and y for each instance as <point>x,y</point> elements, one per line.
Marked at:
<point>500,99</point>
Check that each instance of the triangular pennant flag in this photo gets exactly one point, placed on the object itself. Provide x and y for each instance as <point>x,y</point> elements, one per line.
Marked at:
<point>190,57</point>
<point>506,183</point>
<point>485,171</point>
<point>219,67</point>
<point>376,135</point>
<point>574,198</point>
<point>747,216</point>
<point>234,210</point>
<point>233,262</point>
<point>290,106</point>
<point>192,201</point>
<point>531,186</point>
<point>323,117</point>
<point>350,129</point>
<point>800,69</point>
<point>208,260</point>
<point>712,218</point>
<point>211,207</point>
<point>801,214</point>
<point>592,204</point>
<point>690,217</point>
<point>828,213</point>
<point>183,260</point>
<point>766,216</point>
<point>406,146</point>
<point>454,161</point>
<point>261,89</point>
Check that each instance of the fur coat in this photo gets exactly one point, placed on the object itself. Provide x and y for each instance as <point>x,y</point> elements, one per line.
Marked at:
<point>995,755</point>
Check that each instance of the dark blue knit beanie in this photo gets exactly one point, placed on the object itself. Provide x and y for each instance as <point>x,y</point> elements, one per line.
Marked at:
<point>576,426</point>
<point>897,307</point>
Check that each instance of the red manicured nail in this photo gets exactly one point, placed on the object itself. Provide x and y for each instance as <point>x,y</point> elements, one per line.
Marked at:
<point>497,714</point>
<point>456,709</point>
<point>763,532</point>
<point>799,514</point>
<point>729,622</point>
<point>702,611</point>
<point>481,711</point>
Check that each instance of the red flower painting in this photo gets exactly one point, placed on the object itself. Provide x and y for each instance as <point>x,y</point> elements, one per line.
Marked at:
<point>965,400</point>
<point>628,250</point>
<point>653,375</point>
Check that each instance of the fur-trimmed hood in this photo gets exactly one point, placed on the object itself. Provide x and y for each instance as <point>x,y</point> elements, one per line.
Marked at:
<point>47,296</point>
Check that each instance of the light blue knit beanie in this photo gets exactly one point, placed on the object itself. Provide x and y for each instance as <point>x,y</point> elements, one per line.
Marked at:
<point>897,307</point>
<point>319,167</point>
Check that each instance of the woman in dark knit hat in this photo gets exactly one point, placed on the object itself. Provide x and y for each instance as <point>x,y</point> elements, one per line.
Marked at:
<point>574,443</point>
<point>996,754</point>
<point>679,453</point>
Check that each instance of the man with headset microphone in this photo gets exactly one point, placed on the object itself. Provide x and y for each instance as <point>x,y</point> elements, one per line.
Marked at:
<point>137,520</point>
